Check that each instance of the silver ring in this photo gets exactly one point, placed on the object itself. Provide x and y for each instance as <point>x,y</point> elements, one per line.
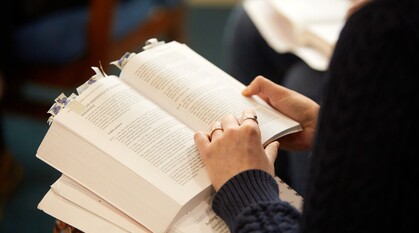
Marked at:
<point>254,118</point>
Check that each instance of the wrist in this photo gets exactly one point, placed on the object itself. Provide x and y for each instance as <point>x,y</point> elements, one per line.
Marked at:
<point>242,190</point>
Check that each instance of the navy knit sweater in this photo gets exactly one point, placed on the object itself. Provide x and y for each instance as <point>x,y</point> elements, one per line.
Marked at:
<point>363,175</point>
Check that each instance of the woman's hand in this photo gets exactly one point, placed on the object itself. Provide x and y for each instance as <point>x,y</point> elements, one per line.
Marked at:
<point>294,105</point>
<point>234,146</point>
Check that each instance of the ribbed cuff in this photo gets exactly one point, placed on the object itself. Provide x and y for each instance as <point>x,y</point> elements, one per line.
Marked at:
<point>244,189</point>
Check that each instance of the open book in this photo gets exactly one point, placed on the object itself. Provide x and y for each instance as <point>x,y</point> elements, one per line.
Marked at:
<point>308,29</point>
<point>77,206</point>
<point>129,139</point>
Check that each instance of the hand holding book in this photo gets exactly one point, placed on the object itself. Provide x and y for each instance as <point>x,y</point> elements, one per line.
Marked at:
<point>234,148</point>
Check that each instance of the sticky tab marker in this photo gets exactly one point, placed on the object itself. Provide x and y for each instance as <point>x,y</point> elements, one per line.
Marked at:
<point>123,60</point>
<point>151,43</point>
<point>76,107</point>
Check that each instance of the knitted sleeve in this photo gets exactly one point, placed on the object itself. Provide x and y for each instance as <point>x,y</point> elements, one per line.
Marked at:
<point>249,202</point>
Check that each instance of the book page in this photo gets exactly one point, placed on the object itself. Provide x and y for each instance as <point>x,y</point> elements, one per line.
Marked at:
<point>200,219</point>
<point>60,208</point>
<point>128,151</point>
<point>85,203</point>
<point>145,138</point>
<point>83,211</point>
<point>138,134</point>
<point>195,91</point>
<point>82,197</point>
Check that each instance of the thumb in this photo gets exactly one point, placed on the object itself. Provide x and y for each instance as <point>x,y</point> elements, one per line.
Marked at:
<point>262,87</point>
<point>255,87</point>
<point>271,151</point>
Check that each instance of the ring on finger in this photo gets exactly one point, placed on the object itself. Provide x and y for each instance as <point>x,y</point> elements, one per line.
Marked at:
<point>217,126</point>
<point>254,118</point>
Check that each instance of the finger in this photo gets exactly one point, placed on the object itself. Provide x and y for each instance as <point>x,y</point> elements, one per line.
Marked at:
<point>255,87</point>
<point>216,130</point>
<point>271,151</point>
<point>201,140</point>
<point>229,121</point>
<point>264,88</point>
<point>248,117</point>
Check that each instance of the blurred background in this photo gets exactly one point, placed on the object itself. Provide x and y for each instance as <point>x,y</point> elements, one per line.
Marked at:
<point>47,47</point>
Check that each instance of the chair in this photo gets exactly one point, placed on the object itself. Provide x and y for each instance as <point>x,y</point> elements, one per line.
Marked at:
<point>104,31</point>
